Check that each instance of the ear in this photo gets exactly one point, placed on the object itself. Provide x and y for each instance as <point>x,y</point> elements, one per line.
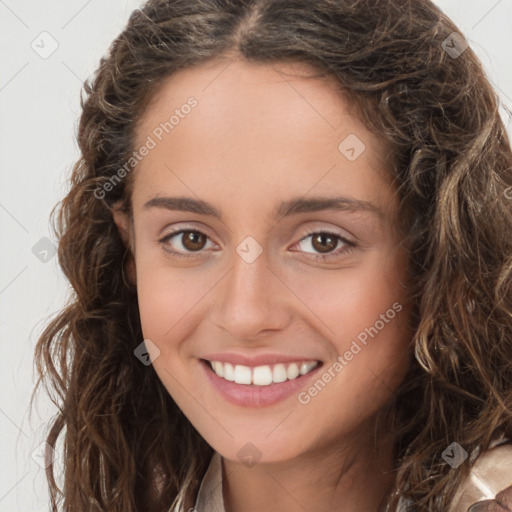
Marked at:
<point>122,222</point>
<point>125,228</point>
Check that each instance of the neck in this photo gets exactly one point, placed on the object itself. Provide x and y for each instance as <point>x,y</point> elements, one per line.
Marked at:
<point>349,475</point>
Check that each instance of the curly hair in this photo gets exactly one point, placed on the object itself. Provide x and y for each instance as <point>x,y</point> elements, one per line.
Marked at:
<point>127,445</point>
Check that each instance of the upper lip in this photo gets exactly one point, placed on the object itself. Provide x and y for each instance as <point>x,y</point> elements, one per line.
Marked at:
<point>256,360</point>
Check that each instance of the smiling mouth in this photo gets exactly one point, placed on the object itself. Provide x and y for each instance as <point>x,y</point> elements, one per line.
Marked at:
<point>264,375</point>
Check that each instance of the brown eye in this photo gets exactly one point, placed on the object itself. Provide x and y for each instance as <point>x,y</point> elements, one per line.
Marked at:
<point>193,240</point>
<point>185,242</point>
<point>323,245</point>
<point>324,242</point>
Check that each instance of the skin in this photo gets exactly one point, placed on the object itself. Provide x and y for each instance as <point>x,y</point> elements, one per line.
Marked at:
<point>258,136</point>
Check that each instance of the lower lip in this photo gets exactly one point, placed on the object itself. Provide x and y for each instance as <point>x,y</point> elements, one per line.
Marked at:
<point>249,395</point>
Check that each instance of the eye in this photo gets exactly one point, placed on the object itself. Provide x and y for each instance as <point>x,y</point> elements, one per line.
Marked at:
<point>326,242</point>
<point>189,240</point>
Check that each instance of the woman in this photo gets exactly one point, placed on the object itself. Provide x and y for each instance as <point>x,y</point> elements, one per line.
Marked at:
<point>291,288</point>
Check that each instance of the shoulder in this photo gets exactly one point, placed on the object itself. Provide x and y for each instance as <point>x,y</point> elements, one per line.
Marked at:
<point>490,477</point>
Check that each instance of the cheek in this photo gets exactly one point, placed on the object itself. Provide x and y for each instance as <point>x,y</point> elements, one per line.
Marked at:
<point>167,299</point>
<point>170,303</point>
<point>348,302</point>
<point>363,315</point>
<point>159,303</point>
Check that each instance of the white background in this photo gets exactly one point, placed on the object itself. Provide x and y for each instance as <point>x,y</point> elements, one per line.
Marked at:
<point>39,111</point>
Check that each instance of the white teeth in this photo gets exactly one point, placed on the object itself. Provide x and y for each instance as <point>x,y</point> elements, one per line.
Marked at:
<point>262,375</point>
<point>279,373</point>
<point>219,368</point>
<point>293,371</point>
<point>306,367</point>
<point>242,374</point>
<point>229,372</point>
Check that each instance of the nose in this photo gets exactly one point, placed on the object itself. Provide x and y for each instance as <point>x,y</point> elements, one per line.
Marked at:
<point>251,300</point>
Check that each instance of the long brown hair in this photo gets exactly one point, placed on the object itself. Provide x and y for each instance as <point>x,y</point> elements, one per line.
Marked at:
<point>452,166</point>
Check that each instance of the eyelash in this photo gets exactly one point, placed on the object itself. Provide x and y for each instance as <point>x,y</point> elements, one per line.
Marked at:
<point>349,246</point>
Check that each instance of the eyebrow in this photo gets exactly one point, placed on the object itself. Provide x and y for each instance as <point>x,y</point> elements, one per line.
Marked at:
<point>286,208</point>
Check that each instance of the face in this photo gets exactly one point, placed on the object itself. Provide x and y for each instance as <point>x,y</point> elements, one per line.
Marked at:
<point>282,250</point>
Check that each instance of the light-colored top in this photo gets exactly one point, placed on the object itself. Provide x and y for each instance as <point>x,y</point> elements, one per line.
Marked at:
<point>209,496</point>
<point>491,473</point>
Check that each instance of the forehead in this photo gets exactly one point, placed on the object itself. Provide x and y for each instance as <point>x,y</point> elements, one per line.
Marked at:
<point>253,127</point>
